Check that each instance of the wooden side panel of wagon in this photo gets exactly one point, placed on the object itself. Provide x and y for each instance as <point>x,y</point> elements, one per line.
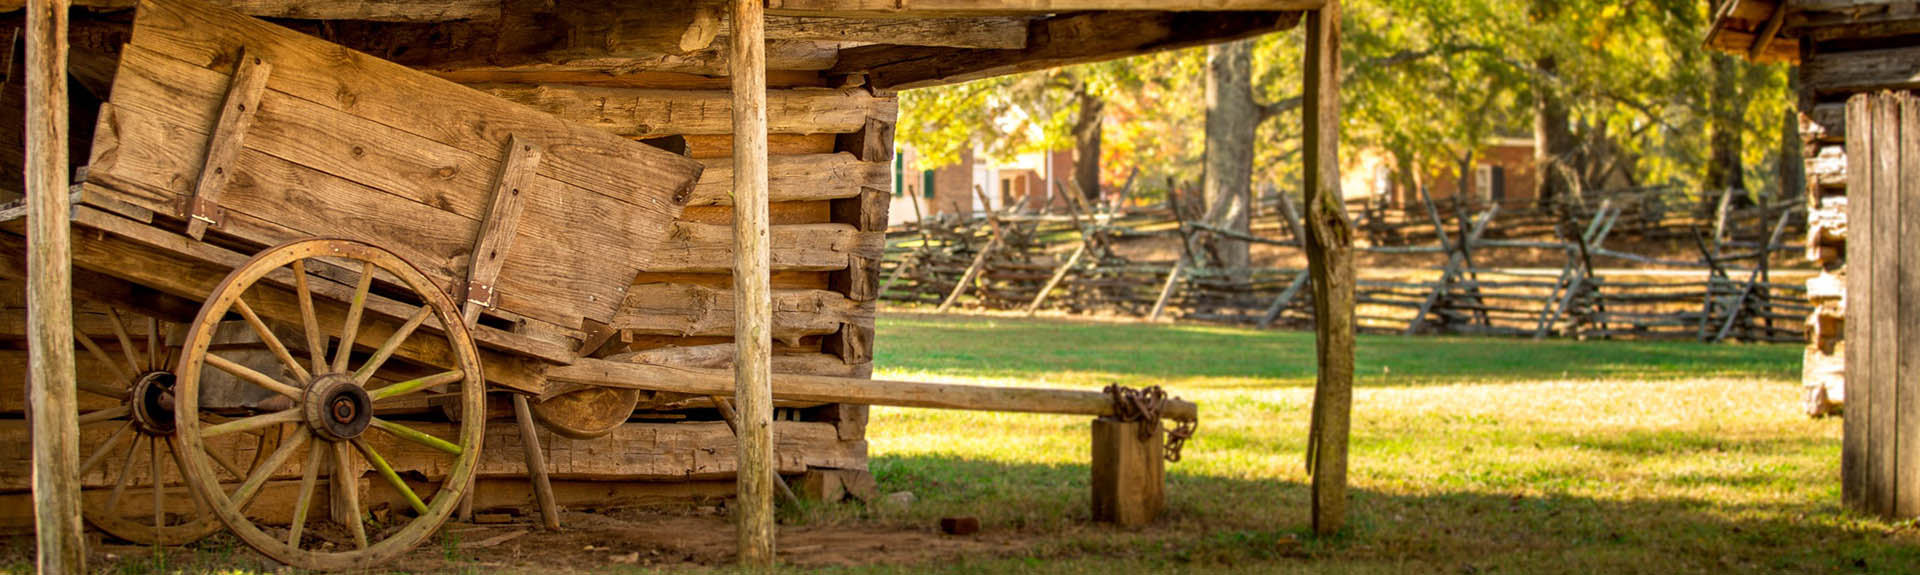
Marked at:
<point>346,145</point>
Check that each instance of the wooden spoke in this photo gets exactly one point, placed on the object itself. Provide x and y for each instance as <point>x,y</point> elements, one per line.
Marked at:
<point>417,384</point>
<point>416,436</point>
<point>265,469</point>
<point>153,343</point>
<point>393,342</point>
<point>126,341</point>
<point>249,423</point>
<point>119,373</point>
<point>254,377</point>
<point>101,389</point>
<point>316,341</point>
<point>100,453</point>
<point>120,483</point>
<point>351,327</point>
<point>272,341</point>
<point>386,471</point>
<point>342,461</point>
<point>108,414</point>
<point>308,475</point>
<point>159,485</point>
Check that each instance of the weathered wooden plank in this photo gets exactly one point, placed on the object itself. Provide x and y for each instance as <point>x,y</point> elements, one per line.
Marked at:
<point>694,310</point>
<point>377,10</point>
<point>1004,33</point>
<point>1906,305</point>
<point>1129,473</point>
<point>237,111</point>
<point>636,451</point>
<point>1071,38</point>
<point>404,99</point>
<point>1856,447</point>
<point>1883,331</point>
<point>925,8</point>
<point>795,178</point>
<point>501,227</point>
<point>1832,72</point>
<point>703,248</point>
<point>570,271</point>
<point>641,113</point>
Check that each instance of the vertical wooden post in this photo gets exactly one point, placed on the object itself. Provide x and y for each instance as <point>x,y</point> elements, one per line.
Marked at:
<point>1129,473</point>
<point>1330,260</point>
<point>753,313</point>
<point>56,430</point>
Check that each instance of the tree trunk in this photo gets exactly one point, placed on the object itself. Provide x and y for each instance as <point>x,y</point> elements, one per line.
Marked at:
<point>1553,141</point>
<point>1086,143</point>
<point>1792,165</point>
<point>1726,111</point>
<point>1232,117</point>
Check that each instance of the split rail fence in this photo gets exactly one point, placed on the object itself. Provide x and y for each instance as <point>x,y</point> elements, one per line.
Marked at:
<point>1721,288</point>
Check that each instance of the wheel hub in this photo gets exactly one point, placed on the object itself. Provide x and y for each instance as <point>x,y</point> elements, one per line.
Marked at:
<point>338,408</point>
<point>152,402</point>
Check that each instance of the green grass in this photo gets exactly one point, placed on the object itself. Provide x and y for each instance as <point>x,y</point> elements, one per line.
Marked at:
<point>1468,455</point>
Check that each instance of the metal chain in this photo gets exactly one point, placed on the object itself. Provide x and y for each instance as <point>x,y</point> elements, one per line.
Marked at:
<point>1145,405</point>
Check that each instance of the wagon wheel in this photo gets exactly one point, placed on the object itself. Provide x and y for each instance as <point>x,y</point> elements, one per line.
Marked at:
<point>329,408</point>
<point>143,429</point>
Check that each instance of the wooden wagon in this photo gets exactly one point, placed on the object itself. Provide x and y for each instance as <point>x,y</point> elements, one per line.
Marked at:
<point>303,262</point>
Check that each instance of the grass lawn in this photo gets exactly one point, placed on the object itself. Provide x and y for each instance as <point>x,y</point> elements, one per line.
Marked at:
<point>1468,456</point>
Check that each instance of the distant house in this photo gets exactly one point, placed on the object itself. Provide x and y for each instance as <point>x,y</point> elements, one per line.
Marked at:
<point>949,189</point>
<point>1502,172</point>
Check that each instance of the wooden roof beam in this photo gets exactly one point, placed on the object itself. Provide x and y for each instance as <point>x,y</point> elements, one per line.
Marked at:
<point>932,8</point>
<point>375,10</point>
<point>1057,41</point>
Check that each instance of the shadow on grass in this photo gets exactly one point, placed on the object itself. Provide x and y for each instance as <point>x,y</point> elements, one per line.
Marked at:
<point>1262,525</point>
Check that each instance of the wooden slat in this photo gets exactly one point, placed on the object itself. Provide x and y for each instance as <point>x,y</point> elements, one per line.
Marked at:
<point>641,113</point>
<point>1906,318</point>
<point>1883,270</point>
<point>1855,447</point>
<point>693,310</point>
<point>795,178</point>
<point>501,227</point>
<point>704,248</point>
<point>241,106</point>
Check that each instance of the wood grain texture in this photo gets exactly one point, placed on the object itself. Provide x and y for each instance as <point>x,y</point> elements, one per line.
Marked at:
<point>792,178</point>
<point>1906,318</point>
<point>704,248</point>
<point>1883,330</point>
<point>378,10</point>
<point>1330,259</point>
<point>923,8</point>
<point>1129,473</point>
<point>237,111</point>
<point>642,113</point>
<point>753,315</point>
<point>1855,447</point>
<point>56,454</point>
<point>694,310</point>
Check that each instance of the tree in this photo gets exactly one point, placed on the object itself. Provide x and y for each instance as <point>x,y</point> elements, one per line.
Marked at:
<point>1232,120</point>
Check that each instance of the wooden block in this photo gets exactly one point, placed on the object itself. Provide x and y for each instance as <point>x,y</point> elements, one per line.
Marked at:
<point>833,485</point>
<point>1129,474</point>
<point>959,525</point>
<point>853,343</point>
<point>873,142</point>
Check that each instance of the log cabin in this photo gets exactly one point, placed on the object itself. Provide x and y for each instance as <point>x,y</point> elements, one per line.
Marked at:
<point>1858,62</point>
<point>661,73</point>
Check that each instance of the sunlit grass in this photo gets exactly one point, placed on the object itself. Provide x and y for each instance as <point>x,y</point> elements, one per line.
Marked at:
<point>1469,455</point>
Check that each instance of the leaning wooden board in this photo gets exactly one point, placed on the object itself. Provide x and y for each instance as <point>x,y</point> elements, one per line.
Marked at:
<point>343,144</point>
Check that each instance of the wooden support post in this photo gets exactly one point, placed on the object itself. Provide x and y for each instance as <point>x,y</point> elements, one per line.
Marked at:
<point>1286,298</point>
<point>1330,258</point>
<point>1129,472</point>
<point>728,415</point>
<point>56,429</point>
<point>536,463</point>
<point>1753,279</point>
<point>1166,291</point>
<point>753,307</point>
